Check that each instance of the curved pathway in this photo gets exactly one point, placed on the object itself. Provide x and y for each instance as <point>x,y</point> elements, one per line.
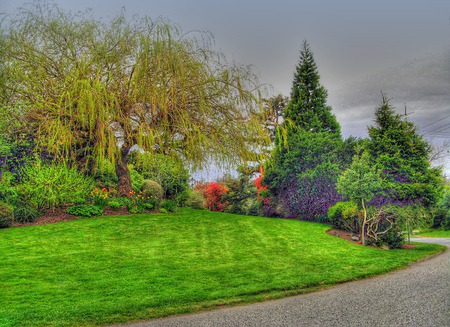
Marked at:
<point>416,296</point>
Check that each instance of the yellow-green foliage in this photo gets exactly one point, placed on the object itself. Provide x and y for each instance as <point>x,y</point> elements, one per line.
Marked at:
<point>344,215</point>
<point>152,189</point>
<point>6,215</point>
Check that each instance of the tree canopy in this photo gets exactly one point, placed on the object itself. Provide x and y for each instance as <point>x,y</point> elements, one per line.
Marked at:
<point>91,89</point>
<point>308,108</point>
<point>402,155</point>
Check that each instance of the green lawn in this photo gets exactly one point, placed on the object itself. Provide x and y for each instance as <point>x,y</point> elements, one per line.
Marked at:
<point>435,233</point>
<point>107,270</point>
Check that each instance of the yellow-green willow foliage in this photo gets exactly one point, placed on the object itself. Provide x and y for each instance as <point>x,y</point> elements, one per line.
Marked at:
<point>97,88</point>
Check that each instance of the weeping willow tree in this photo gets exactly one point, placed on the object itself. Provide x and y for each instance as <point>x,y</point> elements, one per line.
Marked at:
<point>94,89</point>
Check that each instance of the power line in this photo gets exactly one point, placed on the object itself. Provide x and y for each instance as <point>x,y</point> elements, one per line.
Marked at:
<point>440,129</point>
<point>437,121</point>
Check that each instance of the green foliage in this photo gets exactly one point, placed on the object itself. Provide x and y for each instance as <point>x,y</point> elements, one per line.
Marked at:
<point>162,210</point>
<point>391,238</point>
<point>344,215</point>
<point>195,200</point>
<point>302,175</point>
<point>361,181</point>
<point>163,169</point>
<point>8,192</point>
<point>90,89</point>
<point>85,210</point>
<point>114,205</point>
<point>441,218</point>
<point>104,174</point>
<point>51,185</point>
<point>308,109</point>
<point>401,153</point>
<point>6,215</point>
<point>100,197</point>
<point>169,205</point>
<point>152,189</point>
<point>136,179</point>
<point>255,208</point>
<point>25,214</point>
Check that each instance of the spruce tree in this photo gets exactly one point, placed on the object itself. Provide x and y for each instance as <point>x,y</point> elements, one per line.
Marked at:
<point>308,108</point>
<point>403,156</point>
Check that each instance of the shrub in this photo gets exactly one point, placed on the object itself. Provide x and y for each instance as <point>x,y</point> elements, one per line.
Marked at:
<point>213,194</point>
<point>254,209</point>
<point>136,178</point>
<point>441,218</point>
<point>195,200</point>
<point>25,214</point>
<point>114,205</point>
<point>8,192</point>
<point>169,205</point>
<point>391,238</point>
<point>85,210</point>
<point>152,189</point>
<point>344,215</point>
<point>6,215</point>
<point>50,185</point>
<point>100,197</point>
<point>162,210</point>
<point>163,169</point>
<point>235,209</point>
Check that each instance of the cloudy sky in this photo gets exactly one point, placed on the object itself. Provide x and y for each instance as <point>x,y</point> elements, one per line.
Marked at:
<point>399,47</point>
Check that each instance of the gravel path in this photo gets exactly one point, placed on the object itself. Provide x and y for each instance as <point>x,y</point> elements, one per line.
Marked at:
<point>416,296</point>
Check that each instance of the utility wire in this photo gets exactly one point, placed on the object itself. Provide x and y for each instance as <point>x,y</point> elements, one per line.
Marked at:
<point>437,121</point>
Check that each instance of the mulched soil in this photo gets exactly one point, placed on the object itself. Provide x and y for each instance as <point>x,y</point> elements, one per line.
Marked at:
<point>348,237</point>
<point>57,215</point>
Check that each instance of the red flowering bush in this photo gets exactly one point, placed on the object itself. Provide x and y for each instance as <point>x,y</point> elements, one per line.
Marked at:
<point>262,190</point>
<point>213,194</point>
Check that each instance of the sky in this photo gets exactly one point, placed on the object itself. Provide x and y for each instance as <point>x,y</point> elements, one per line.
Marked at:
<point>361,48</point>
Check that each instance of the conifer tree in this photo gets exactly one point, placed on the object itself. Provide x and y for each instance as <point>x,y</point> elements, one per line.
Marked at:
<point>403,156</point>
<point>308,108</point>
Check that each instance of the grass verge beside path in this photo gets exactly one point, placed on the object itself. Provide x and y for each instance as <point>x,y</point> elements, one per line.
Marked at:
<point>108,270</point>
<point>435,233</point>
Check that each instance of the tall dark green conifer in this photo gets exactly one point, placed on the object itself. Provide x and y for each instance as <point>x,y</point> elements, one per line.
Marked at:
<point>403,156</point>
<point>308,108</point>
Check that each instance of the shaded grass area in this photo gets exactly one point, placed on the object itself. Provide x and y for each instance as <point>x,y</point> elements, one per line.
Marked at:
<point>107,270</point>
<point>435,233</point>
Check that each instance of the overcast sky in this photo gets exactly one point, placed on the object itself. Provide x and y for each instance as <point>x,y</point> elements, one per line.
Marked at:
<point>400,47</point>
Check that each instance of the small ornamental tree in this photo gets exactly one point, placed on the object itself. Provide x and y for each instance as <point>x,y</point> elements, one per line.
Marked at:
<point>359,183</point>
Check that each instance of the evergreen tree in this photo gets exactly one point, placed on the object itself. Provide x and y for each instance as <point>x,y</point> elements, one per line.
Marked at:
<point>308,109</point>
<point>403,156</point>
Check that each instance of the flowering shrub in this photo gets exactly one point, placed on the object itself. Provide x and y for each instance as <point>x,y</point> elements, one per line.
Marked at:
<point>213,194</point>
<point>100,197</point>
<point>140,202</point>
<point>262,191</point>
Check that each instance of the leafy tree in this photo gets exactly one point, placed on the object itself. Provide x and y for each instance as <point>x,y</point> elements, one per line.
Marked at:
<point>96,89</point>
<point>308,109</point>
<point>274,111</point>
<point>403,156</point>
<point>359,183</point>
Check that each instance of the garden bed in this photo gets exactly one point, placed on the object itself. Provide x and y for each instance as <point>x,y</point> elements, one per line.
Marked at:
<point>348,237</point>
<point>57,215</point>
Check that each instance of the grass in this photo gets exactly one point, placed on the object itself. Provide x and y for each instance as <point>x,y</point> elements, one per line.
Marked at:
<point>435,233</point>
<point>108,270</point>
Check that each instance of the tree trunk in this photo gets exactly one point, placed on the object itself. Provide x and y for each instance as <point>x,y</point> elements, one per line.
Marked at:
<point>124,186</point>
<point>364,223</point>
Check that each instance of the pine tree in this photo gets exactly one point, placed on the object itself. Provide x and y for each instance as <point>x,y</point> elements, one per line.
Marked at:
<point>308,109</point>
<point>403,156</point>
